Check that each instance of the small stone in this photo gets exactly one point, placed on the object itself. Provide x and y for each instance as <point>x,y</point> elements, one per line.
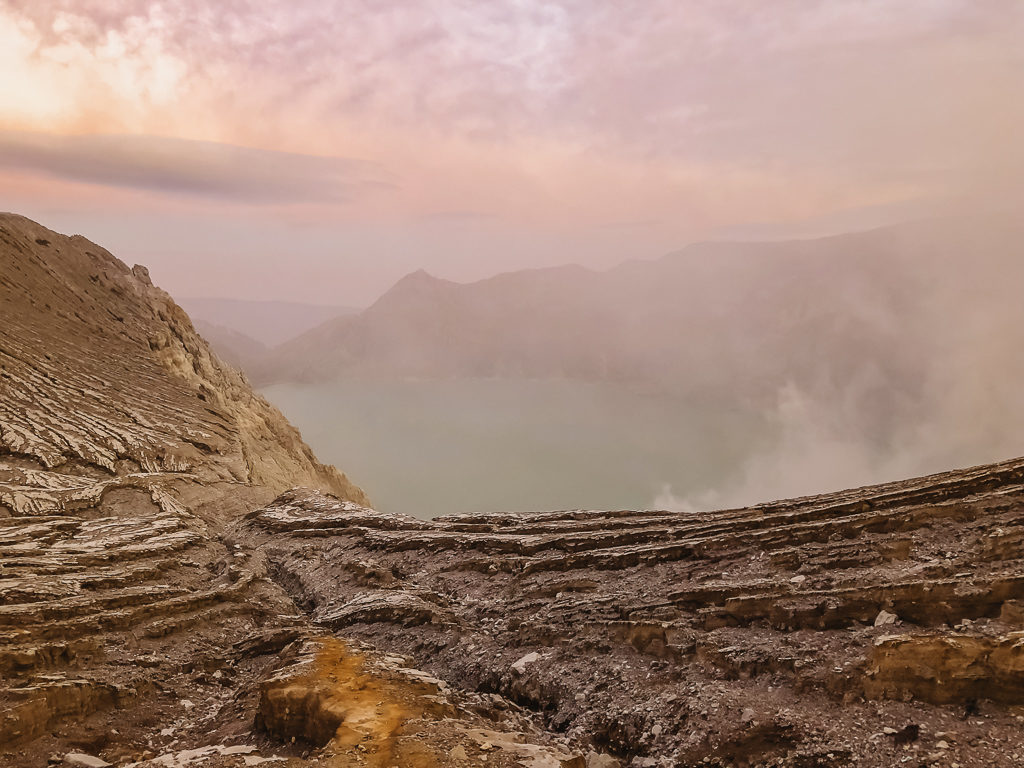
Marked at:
<point>597,760</point>
<point>239,749</point>
<point>185,704</point>
<point>908,735</point>
<point>458,753</point>
<point>656,731</point>
<point>82,760</point>
<point>798,579</point>
<point>748,716</point>
<point>486,746</point>
<point>942,745</point>
<point>520,666</point>
<point>884,618</point>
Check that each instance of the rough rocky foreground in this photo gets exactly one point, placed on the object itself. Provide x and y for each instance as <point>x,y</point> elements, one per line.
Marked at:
<point>882,626</point>
<point>162,603</point>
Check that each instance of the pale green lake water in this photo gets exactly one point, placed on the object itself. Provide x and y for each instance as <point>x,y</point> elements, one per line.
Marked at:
<point>428,448</point>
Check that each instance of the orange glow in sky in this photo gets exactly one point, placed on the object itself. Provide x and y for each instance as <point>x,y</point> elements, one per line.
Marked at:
<point>320,150</point>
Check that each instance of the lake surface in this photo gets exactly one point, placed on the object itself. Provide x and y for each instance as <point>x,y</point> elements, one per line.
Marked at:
<point>428,448</point>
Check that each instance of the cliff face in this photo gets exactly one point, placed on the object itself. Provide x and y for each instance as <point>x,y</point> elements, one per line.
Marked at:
<point>102,369</point>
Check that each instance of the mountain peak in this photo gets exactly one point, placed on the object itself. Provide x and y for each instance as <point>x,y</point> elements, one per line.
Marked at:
<point>420,277</point>
<point>415,285</point>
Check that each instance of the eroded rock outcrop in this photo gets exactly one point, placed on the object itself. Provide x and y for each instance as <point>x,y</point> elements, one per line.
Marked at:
<point>949,668</point>
<point>102,371</point>
<point>804,632</point>
<point>125,447</point>
<point>369,709</point>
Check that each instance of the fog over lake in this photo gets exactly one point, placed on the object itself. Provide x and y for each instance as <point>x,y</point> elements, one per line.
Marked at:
<point>724,374</point>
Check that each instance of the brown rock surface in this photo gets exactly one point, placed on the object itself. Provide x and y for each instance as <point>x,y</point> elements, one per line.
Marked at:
<point>86,349</point>
<point>370,710</point>
<point>743,637</point>
<point>951,667</point>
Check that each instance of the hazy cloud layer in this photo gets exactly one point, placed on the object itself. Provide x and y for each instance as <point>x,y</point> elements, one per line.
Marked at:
<point>552,118</point>
<point>179,166</point>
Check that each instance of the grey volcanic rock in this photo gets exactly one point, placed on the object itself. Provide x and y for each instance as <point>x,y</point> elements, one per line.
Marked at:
<point>686,639</point>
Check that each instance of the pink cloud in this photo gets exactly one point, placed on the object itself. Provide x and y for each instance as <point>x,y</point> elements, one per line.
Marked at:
<point>549,120</point>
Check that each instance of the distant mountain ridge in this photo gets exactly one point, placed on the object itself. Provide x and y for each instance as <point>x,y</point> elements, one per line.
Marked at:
<point>878,326</point>
<point>268,323</point>
<point>234,347</point>
<point>706,310</point>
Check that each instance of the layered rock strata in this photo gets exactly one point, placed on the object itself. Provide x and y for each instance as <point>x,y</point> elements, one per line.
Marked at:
<point>103,374</point>
<point>813,631</point>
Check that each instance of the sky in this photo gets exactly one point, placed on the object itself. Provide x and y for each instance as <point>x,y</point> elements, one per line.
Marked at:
<point>317,151</point>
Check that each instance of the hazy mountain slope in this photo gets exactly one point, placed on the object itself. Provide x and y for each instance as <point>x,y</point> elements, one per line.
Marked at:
<point>102,368</point>
<point>233,347</point>
<point>268,322</point>
<point>755,315</point>
<point>874,355</point>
